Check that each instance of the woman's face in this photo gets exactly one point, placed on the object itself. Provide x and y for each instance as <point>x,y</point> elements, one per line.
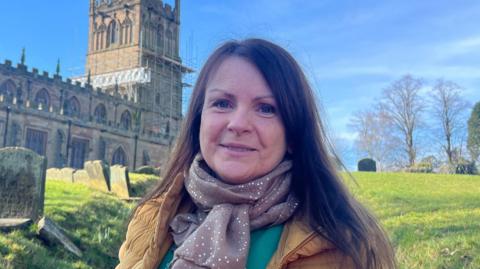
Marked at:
<point>242,136</point>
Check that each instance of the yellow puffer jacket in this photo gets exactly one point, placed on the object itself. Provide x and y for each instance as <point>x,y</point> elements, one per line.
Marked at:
<point>148,238</point>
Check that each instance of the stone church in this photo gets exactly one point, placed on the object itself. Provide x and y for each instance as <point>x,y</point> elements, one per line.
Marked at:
<point>126,109</point>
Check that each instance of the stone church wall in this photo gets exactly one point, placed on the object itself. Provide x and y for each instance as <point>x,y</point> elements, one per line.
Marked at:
<point>63,136</point>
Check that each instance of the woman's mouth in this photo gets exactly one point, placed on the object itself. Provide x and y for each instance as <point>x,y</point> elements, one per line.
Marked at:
<point>237,147</point>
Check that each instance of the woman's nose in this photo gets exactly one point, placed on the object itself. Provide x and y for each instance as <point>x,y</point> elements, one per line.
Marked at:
<point>239,121</point>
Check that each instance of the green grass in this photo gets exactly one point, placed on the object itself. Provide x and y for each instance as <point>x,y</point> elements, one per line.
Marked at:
<point>433,220</point>
<point>95,221</point>
<point>141,183</point>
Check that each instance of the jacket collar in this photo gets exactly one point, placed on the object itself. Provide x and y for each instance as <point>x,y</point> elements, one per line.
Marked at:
<point>298,240</point>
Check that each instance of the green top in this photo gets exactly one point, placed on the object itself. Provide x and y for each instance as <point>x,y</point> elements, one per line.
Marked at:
<point>263,244</point>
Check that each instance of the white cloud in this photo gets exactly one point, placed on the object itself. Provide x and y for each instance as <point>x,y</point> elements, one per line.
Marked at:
<point>452,49</point>
<point>348,136</point>
<point>342,70</point>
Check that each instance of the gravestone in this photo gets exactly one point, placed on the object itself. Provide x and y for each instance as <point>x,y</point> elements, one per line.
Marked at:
<point>10,224</point>
<point>64,174</point>
<point>81,176</point>
<point>98,173</point>
<point>22,184</point>
<point>52,234</point>
<point>119,181</point>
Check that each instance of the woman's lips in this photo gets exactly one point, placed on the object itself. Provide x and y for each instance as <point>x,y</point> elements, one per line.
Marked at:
<point>237,147</point>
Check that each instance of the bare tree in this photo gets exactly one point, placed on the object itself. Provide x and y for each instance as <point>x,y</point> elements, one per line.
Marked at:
<point>373,137</point>
<point>364,124</point>
<point>403,107</point>
<point>449,110</point>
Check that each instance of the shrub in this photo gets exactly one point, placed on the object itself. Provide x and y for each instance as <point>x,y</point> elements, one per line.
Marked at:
<point>367,165</point>
<point>421,167</point>
<point>147,169</point>
<point>466,167</point>
<point>433,161</point>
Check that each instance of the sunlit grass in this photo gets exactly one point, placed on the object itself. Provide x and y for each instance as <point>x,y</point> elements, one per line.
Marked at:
<point>142,183</point>
<point>433,220</point>
<point>95,221</point>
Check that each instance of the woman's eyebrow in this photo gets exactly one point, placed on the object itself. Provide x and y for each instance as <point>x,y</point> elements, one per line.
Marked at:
<point>226,93</point>
<point>216,90</point>
<point>269,96</point>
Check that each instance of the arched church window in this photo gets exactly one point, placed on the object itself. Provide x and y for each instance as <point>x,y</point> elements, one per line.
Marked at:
<point>126,26</point>
<point>7,89</point>
<point>72,107</point>
<point>36,140</point>
<point>79,152</point>
<point>42,97</point>
<point>119,157</point>
<point>153,40</point>
<point>150,36</point>
<point>126,120</point>
<point>169,47</point>
<point>100,114</point>
<point>160,39</point>
<point>112,31</point>
<point>100,36</point>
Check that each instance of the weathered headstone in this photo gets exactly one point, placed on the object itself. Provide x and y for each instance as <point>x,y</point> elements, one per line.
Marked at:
<point>64,174</point>
<point>81,176</point>
<point>22,183</point>
<point>53,173</point>
<point>51,233</point>
<point>99,174</point>
<point>119,181</point>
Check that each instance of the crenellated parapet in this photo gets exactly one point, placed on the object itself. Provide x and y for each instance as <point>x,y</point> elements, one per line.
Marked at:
<point>67,85</point>
<point>156,6</point>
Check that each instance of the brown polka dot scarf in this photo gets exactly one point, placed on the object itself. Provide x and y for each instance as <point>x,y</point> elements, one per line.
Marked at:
<point>217,235</point>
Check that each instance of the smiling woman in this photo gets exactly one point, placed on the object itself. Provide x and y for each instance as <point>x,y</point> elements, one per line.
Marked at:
<point>250,183</point>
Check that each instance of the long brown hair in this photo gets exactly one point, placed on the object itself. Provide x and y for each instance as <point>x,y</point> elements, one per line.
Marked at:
<point>329,207</point>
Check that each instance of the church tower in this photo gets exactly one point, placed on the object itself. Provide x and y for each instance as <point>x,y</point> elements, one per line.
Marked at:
<point>133,50</point>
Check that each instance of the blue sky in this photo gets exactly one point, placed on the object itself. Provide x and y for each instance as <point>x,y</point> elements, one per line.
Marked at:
<point>350,50</point>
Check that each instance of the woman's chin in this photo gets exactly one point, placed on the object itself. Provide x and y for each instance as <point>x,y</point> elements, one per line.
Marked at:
<point>234,176</point>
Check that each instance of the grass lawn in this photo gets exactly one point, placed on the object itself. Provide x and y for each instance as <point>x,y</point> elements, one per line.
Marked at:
<point>93,220</point>
<point>433,220</point>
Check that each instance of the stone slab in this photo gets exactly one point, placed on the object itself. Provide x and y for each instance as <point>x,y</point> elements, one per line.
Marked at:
<point>22,183</point>
<point>119,181</point>
<point>98,172</point>
<point>64,174</point>
<point>81,176</point>
<point>10,224</point>
<point>51,233</point>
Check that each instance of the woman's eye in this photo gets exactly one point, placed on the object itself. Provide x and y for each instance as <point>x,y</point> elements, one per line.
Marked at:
<point>267,109</point>
<point>222,104</point>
